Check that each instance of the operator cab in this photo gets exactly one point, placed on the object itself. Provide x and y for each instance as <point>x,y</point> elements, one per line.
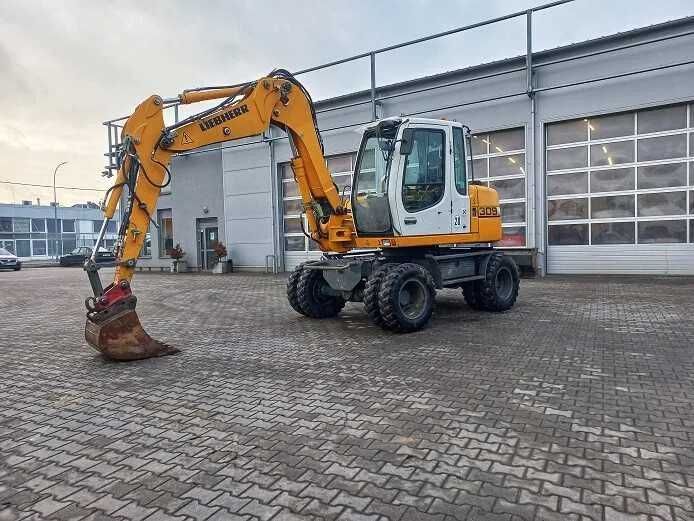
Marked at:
<point>411,179</point>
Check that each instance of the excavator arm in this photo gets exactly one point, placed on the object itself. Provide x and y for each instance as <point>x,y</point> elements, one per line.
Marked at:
<point>113,327</point>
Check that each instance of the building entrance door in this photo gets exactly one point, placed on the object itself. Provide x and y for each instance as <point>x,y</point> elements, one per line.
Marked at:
<point>208,236</point>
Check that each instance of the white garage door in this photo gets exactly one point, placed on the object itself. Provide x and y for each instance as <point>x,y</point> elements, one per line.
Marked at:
<point>619,193</point>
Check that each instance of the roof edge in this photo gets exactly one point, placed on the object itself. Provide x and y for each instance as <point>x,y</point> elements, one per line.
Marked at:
<point>514,60</point>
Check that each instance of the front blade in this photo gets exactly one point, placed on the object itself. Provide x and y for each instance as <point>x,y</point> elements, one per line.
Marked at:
<point>118,335</point>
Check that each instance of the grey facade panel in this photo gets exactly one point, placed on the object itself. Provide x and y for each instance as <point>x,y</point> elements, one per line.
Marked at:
<point>195,193</point>
<point>248,205</point>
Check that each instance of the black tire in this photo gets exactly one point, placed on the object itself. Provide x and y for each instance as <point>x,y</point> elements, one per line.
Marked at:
<point>371,289</point>
<point>18,267</point>
<point>293,289</point>
<point>411,310</point>
<point>471,293</point>
<point>313,302</point>
<point>499,288</point>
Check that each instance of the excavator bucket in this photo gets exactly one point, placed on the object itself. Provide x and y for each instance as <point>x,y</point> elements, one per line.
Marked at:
<point>118,334</point>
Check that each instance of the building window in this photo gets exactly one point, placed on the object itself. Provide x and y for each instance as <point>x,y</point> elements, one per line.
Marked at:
<point>166,240</point>
<point>22,225</point>
<point>23,248</point>
<point>68,226</point>
<point>147,245</point>
<point>341,168</point>
<point>50,226</point>
<point>621,178</point>
<point>5,224</point>
<point>38,225</point>
<point>38,248</point>
<point>498,161</point>
<point>69,244</point>
<point>111,227</point>
<point>8,245</point>
<point>53,243</point>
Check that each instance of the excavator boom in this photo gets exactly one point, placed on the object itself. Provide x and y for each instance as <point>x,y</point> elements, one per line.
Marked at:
<point>113,327</point>
<point>415,220</point>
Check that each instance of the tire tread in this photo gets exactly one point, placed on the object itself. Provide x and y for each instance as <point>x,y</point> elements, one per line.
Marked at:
<point>311,308</point>
<point>371,291</point>
<point>487,291</point>
<point>385,297</point>
<point>293,289</point>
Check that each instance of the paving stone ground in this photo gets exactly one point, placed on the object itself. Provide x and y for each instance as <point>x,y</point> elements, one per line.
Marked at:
<point>576,405</point>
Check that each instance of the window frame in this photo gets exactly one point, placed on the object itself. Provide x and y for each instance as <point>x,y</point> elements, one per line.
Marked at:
<point>462,160</point>
<point>444,159</point>
<point>164,213</point>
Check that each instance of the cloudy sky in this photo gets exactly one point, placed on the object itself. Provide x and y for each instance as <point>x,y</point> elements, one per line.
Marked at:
<point>67,66</point>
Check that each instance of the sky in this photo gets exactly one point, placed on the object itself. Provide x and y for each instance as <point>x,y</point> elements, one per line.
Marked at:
<point>65,67</point>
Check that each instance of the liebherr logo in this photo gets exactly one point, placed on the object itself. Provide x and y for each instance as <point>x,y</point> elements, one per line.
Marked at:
<point>226,116</point>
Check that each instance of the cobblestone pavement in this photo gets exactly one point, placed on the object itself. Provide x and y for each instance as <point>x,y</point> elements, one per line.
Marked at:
<point>575,405</point>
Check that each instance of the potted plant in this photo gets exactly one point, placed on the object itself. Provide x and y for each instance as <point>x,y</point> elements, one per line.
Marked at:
<point>220,252</point>
<point>178,265</point>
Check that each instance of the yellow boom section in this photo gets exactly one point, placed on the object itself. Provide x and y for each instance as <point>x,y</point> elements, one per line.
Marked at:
<point>249,111</point>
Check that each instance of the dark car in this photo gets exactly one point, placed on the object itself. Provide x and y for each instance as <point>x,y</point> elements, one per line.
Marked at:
<point>77,256</point>
<point>9,261</point>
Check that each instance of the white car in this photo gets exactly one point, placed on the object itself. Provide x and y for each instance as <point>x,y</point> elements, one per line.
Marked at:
<point>9,260</point>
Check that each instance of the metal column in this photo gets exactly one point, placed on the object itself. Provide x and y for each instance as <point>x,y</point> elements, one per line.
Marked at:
<point>373,86</point>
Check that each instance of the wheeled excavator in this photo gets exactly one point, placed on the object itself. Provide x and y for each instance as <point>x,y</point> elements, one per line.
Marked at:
<point>414,220</point>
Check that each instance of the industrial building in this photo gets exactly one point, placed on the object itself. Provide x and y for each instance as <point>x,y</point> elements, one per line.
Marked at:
<point>31,231</point>
<point>590,145</point>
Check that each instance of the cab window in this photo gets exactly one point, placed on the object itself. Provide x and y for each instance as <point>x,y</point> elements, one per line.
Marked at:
<point>459,161</point>
<point>424,180</point>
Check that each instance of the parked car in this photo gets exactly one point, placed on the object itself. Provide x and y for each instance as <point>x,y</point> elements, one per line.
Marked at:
<point>9,261</point>
<point>77,256</point>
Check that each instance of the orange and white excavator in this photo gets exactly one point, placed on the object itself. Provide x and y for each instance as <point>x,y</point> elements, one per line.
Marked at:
<point>414,220</point>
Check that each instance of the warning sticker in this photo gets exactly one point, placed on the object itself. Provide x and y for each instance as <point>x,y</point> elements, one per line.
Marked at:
<point>186,139</point>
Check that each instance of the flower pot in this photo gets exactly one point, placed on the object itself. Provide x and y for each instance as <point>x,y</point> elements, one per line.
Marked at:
<point>179,266</point>
<point>222,267</point>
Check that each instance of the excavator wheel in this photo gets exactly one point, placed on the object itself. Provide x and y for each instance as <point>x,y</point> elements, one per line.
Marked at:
<point>498,290</point>
<point>371,289</point>
<point>293,289</point>
<point>314,301</point>
<point>406,298</point>
<point>471,293</point>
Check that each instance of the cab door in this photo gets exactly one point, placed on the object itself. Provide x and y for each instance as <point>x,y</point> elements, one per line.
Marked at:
<point>460,200</point>
<point>423,195</point>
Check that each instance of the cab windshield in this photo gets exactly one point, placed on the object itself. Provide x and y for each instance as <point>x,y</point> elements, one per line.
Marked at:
<point>370,192</point>
<point>3,251</point>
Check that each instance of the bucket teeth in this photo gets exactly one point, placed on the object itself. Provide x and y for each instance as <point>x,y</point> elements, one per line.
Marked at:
<point>118,334</point>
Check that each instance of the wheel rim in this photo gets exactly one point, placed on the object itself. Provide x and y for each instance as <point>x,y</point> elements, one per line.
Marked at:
<point>504,283</point>
<point>412,298</point>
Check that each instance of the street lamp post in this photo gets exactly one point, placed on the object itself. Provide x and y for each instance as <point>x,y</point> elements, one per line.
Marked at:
<point>55,208</point>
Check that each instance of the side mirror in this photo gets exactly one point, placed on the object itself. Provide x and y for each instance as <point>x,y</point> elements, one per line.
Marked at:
<point>406,141</point>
